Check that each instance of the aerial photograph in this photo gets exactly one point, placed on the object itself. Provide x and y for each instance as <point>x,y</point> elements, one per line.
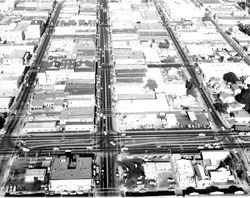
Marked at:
<point>125,98</point>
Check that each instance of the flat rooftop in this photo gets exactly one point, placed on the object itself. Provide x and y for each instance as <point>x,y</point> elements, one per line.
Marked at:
<point>66,168</point>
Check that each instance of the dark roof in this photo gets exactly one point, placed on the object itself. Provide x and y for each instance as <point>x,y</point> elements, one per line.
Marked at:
<point>86,52</point>
<point>128,80</point>
<point>76,112</point>
<point>68,64</point>
<point>76,85</point>
<point>87,23</point>
<point>80,88</point>
<point>67,23</point>
<point>87,66</point>
<point>126,71</point>
<point>78,66</point>
<point>130,75</point>
<point>125,31</point>
<point>49,65</point>
<point>51,95</point>
<point>36,22</point>
<point>78,123</point>
<point>153,33</point>
<point>80,91</point>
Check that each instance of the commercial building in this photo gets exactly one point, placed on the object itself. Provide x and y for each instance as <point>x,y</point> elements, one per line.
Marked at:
<point>178,10</point>
<point>213,158</point>
<point>52,72</point>
<point>159,104</point>
<point>66,80</point>
<point>132,91</point>
<point>40,127</point>
<point>221,176</point>
<point>77,114</point>
<point>4,104</point>
<point>35,29</point>
<point>185,173</point>
<point>71,174</point>
<point>79,126</point>
<point>6,5</point>
<point>242,117</point>
<point>32,175</point>
<point>16,57</point>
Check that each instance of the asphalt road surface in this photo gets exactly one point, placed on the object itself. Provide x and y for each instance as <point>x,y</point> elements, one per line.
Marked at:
<point>18,112</point>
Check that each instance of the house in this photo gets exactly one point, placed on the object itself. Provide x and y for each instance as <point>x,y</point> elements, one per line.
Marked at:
<point>242,117</point>
<point>233,107</point>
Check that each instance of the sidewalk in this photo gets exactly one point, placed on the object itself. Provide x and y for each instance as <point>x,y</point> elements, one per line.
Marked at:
<point>6,175</point>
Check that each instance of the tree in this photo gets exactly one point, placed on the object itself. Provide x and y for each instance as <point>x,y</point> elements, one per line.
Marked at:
<point>222,164</point>
<point>151,84</point>
<point>221,59</point>
<point>247,108</point>
<point>233,189</point>
<point>164,44</point>
<point>221,107</point>
<point>2,121</point>
<point>190,85</point>
<point>236,165</point>
<point>190,190</point>
<point>243,97</point>
<point>218,106</point>
<point>230,77</point>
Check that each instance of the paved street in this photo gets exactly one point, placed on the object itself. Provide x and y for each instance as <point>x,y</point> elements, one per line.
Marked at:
<point>15,121</point>
<point>105,142</point>
<point>105,134</point>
